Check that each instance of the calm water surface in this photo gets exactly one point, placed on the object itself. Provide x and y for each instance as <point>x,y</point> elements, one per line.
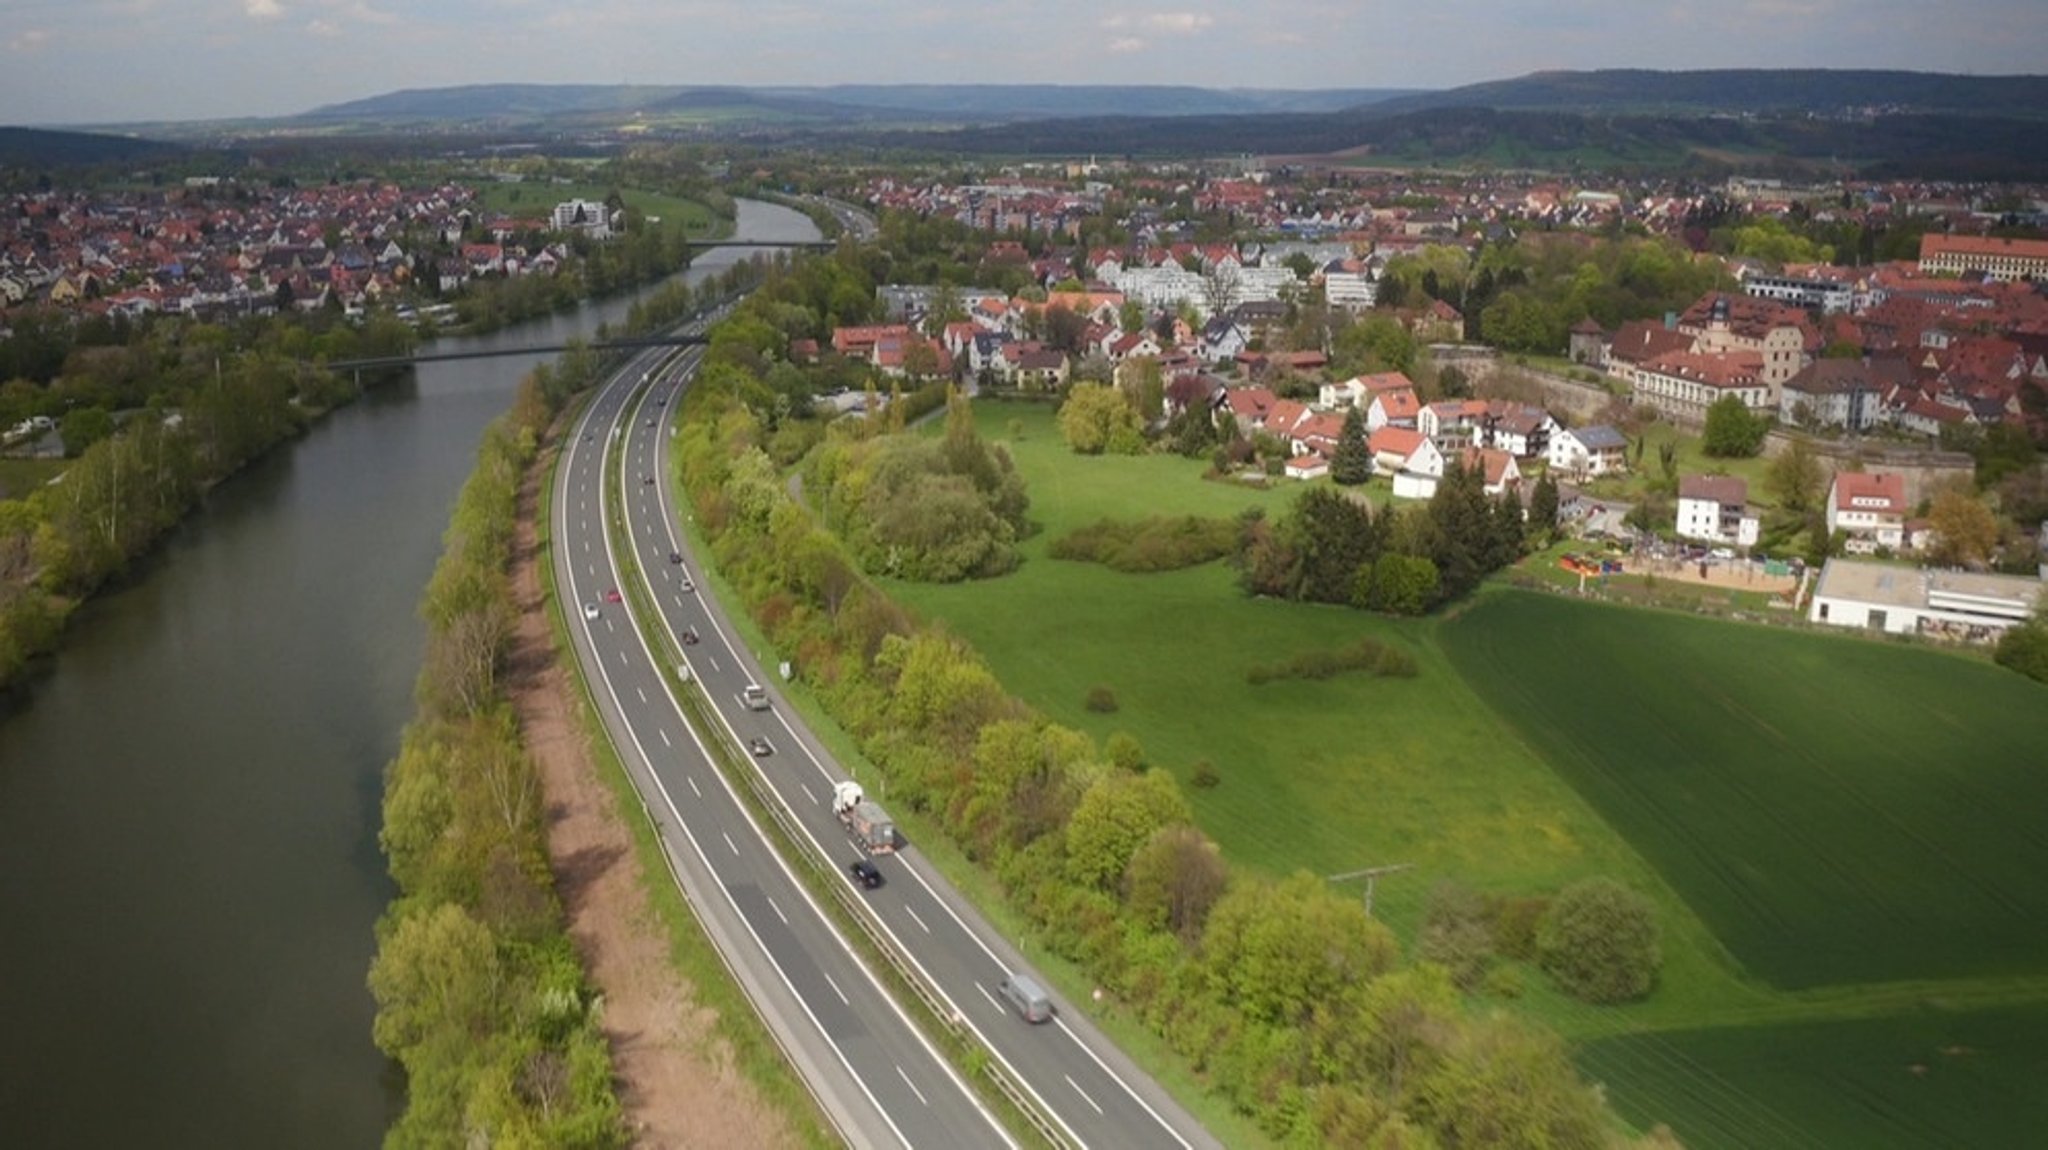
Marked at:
<point>189,871</point>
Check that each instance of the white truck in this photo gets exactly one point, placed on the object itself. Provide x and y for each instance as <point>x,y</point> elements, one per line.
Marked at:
<point>865,824</point>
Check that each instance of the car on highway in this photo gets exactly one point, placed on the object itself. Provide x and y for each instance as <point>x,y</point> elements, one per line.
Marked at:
<point>687,585</point>
<point>753,698</point>
<point>675,557</point>
<point>612,596</point>
<point>650,422</point>
<point>590,611</point>
<point>865,873</point>
<point>648,480</point>
<point>689,636</point>
<point>760,748</point>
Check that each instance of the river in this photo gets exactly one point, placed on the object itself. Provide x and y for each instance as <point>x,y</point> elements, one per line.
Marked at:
<point>189,873</point>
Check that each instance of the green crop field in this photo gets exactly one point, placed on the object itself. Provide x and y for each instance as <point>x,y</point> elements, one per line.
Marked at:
<point>1929,1080</point>
<point>1836,810</point>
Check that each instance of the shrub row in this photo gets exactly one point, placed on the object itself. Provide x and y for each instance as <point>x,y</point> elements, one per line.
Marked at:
<point>1368,655</point>
<point>479,993</point>
<point>1142,546</point>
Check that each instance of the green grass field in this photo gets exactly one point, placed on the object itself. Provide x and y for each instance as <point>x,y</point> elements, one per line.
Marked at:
<point>1929,1080</point>
<point>1838,811</point>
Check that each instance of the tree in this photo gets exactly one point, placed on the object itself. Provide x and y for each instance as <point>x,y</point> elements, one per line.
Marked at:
<point>1117,814</point>
<point>1732,430</point>
<point>1543,508</point>
<point>2025,648</point>
<point>1174,880</point>
<point>1795,478</point>
<point>1457,933</point>
<point>82,428</point>
<point>1353,462</point>
<point>1599,942</point>
<point>1965,530</point>
<point>1096,418</point>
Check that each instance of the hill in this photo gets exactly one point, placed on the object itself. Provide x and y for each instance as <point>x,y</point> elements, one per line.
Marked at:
<point>844,103</point>
<point>1948,145</point>
<point>1742,91</point>
<point>40,147</point>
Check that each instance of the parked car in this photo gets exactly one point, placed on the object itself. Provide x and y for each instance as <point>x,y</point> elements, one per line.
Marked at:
<point>865,873</point>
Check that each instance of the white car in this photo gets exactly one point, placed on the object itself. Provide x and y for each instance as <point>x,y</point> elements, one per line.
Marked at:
<point>590,611</point>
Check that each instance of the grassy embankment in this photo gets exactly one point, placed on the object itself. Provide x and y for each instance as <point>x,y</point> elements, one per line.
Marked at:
<point>1905,861</point>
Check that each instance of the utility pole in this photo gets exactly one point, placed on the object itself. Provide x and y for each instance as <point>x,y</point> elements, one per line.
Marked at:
<point>1371,875</point>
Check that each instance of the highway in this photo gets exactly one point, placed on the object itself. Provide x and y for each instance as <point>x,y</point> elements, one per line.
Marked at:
<point>1095,1095</point>
<point>872,1070</point>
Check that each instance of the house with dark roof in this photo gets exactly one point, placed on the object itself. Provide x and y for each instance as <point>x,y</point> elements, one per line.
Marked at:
<point>1844,393</point>
<point>1588,452</point>
<point>1715,509</point>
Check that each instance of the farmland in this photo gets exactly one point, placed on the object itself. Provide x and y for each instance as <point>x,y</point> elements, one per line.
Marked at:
<point>1837,811</point>
<point>1839,834</point>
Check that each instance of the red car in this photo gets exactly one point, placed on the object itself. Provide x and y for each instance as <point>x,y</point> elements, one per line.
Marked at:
<point>612,596</point>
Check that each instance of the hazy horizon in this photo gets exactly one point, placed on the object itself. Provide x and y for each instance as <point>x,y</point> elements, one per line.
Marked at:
<point>125,61</point>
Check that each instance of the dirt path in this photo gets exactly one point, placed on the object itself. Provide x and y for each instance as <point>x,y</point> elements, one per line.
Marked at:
<point>677,1080</point>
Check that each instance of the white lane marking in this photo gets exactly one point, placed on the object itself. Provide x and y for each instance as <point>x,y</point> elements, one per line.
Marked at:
<point>586,543</point>
<point>991,998</point>
<point>1081,1092</point>
<point>805,787</point>
<point>734,847</point>
<point>915,919</point>
<point>625,660</point>
<point>835,988</point>
<point>642,692</point>
<point>778,912</point>
<point>915,1090</point>
<point>608,625</point>
<point>663,732</point>
<point>693,786</point>
<point>713,660</point>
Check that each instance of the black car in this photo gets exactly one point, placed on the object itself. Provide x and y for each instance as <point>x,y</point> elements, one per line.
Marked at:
<point>865,873</point>
<point>675,557</point>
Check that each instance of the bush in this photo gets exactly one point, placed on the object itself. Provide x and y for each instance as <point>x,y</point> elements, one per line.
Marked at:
<point>1514,926</point>
<point>1205,776</point>
<point>1599,942</point>
<point>1148,545</point>
<point>1456,933</point>
<point>1100,700</point>
<point>1368,655</point>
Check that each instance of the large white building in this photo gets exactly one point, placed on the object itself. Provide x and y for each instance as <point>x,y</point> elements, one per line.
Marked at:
<point>1955,605</point>
<point>1715,509</point>
<point>588,216</point>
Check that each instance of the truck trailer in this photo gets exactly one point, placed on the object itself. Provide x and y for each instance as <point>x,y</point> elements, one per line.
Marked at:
<point>865,823</point>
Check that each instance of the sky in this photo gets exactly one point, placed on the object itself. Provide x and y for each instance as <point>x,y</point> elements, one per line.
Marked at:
<point>78,62</point>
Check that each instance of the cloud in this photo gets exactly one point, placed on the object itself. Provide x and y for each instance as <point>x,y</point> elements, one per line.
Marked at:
<point>1127,44</point>
<point>1179,23</point>
<point>262,9</point>
<point>28,40</point>
<point>323,28</point>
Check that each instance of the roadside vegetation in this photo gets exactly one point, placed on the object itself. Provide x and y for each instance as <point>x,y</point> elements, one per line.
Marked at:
<point>1281,992</point>
<point>480,993</point>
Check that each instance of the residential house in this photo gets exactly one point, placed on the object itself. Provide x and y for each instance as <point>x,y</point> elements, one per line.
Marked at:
<point>1871,508</point>
<point>1406,454</point>
<point>1516,428</point>
<point>1223,339</point>
<point>1248,407</point>
<point>1452,423</point>
<point>1715,509</point>
<point>1497,469</point>
<point>1042,370</point>
<point>1583,453</point>
<point>1395,407</point>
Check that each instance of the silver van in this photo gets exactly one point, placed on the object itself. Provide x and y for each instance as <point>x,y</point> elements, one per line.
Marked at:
<point>1027,996</point>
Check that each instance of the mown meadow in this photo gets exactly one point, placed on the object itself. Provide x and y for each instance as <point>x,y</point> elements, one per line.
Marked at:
<point>1836,833</point>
